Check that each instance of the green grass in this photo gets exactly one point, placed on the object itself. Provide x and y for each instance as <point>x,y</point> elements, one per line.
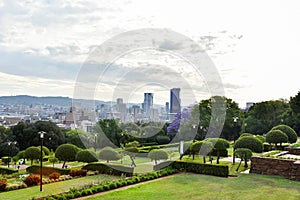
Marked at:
<point>192,186</point>
<point>54,188</point>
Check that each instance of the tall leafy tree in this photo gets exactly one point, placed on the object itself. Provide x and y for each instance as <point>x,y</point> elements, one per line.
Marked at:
<point>263,116</point>
<point>108,133</point>
<point>26,134</point>
<point>204,111</point>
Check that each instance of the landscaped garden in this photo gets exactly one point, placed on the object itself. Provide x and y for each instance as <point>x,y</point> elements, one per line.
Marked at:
<point>84,163</point>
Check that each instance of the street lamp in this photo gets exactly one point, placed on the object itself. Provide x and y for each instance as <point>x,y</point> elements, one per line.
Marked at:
<point>42,133</point>
<point>235,120</point>
<point>9,151</point>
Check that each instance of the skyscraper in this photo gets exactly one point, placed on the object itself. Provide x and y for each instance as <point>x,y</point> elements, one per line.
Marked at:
<point>175,100</point>
<point>148,103</point>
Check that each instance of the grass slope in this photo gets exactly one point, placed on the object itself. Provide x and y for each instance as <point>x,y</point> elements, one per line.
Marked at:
<point>191,186</point>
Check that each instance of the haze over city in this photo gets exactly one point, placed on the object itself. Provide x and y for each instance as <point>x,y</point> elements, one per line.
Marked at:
<point>44,44</point>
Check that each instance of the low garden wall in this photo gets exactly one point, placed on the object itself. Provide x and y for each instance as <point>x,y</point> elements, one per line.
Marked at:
<point>272,166</point>
<point>295,151</point>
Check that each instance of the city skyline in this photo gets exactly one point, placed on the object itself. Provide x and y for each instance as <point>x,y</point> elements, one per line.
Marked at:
<point>252,44</point>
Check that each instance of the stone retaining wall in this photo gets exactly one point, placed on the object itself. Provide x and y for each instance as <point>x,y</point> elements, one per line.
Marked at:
<point>295,151</point>
<point>272,166</point>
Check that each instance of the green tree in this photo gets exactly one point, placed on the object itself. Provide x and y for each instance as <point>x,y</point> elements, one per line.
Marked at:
<point>249,142</point>
<point>263,116</point>
<point>203,112</point>
<point>275,137</point>
<point>80,138</point>
<point>158,154</point>
<point>108,153</point>
<point>33,153</point>
<point>219,144</point>
<point>202,148</point>
<point>292,135</point>
<point>66,153</point>
<point>26,134</point>
<point>244,154</point>
<point>108,133</point>
<point>295,112</point>
<point>86,156</point>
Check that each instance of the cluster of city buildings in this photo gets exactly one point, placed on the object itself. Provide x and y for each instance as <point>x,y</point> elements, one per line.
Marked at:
<point>85,118</point>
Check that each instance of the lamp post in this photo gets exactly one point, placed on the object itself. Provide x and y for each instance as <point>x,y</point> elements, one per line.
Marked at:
<point>9,151</point>
<point>235,120</point>
<point>42,133</point>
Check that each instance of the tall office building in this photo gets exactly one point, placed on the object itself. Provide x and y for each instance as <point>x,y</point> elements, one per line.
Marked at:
<point>167,110</point>
<point>148,103</point>
<point>175,100</point>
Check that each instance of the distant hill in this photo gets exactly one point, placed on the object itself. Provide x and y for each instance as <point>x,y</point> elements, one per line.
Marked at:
<point>33,100</point>
<point>56,101</point>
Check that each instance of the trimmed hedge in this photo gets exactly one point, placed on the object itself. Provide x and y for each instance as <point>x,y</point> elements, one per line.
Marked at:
<point>198,168</point>
<point>47,170</point>
<point>7,170</point>
<point>110,169</point>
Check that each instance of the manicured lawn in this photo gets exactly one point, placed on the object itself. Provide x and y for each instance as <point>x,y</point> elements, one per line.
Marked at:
<point>191,186</point>
<point>54,188</point>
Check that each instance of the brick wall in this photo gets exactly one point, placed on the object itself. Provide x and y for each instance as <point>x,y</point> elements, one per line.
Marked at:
<point>272,166</point>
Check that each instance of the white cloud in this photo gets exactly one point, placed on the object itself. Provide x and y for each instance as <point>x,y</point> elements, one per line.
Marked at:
<point>253,44</point>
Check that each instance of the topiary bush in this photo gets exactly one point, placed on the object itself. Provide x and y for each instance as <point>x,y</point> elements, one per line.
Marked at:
<point>276,136</point>
<point>261,138</point>
<point>162,139</point>
<point>246,134</point>
<point>292,135</point>
<point>108,153</point>
<point>158,154</point>
<point>87,156</point>
<point>32,180</point>
<point>249,142</point>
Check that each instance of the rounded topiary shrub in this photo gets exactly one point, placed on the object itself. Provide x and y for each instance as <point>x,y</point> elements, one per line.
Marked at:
<point>163,139</point>
<point>291,133</point>
<point>86,156</point>
<point>246,134</point>
<point>276,136</point>
<point>249,142</point>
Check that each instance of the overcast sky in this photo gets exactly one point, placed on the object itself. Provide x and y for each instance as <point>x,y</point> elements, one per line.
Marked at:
<point>254,46</point>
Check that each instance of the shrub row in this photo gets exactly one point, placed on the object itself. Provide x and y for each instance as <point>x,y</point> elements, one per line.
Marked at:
<point>47,170</point>
<point>76,173</point>
<point>32,180</point>
<point>76,193</point>
<point>208,169</point>
<point>110,169</point>
<point>7,170</point>
<point>3,184</point>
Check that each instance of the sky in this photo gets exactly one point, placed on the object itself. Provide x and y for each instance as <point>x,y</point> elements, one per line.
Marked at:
<point>46,46</point>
